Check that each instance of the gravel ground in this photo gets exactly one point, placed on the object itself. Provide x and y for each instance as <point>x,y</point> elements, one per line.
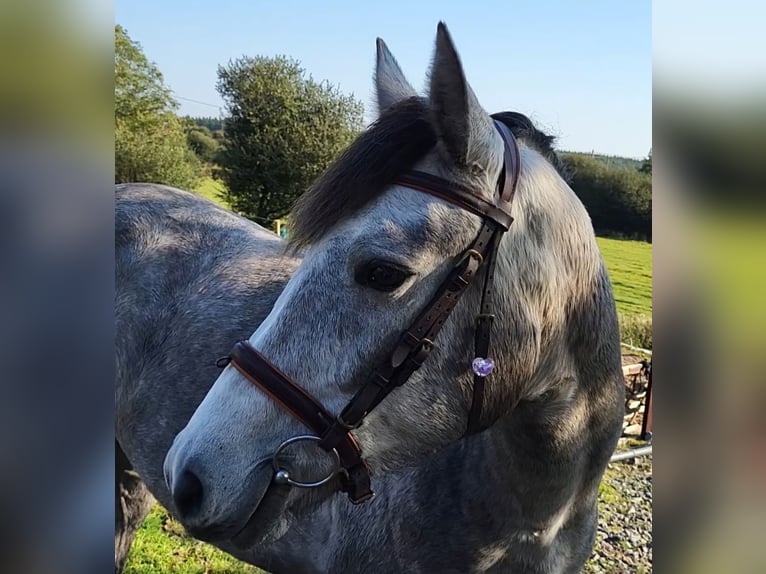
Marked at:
<point>624,538</point>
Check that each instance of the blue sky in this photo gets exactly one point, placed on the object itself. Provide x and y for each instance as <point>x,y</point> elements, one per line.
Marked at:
<point>581,70</point>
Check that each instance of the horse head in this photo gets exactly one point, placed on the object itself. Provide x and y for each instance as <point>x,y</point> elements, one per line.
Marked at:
<point>376,253</point>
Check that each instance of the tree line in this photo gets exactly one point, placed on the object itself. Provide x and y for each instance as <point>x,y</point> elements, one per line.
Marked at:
<point>282,128</point>
<point>619,201</point>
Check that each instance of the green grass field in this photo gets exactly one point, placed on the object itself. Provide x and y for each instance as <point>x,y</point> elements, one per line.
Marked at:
<point>162,547</point>
<point>212,189</point>
<point>630,268</point>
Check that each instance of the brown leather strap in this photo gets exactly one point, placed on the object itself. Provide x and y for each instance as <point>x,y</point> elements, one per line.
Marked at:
<point>484,321</point>
<point>511,165</point>
<point>303,407</point>
<point>497,220</point>
<point>483,336</point>
<point>455,194</point>
<point>294,399</point>
<point>415,343</point>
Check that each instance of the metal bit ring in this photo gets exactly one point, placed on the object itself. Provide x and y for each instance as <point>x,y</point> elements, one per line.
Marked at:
<point>282,477</point>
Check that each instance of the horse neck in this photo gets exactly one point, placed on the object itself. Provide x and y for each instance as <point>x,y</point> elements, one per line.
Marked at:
<point>548,266</point>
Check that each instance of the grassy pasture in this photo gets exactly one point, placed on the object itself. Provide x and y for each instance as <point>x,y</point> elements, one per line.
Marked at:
<point>212,189</point>
<point>162,546</point>
<point>630,268</point>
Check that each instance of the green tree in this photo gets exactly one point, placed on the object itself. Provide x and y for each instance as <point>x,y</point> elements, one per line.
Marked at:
<point>619,201</point>
<point>283,130</point>
<point>646,165</point>
<point>213,124</point>
<point>202,142</point>
<point>149,140</point>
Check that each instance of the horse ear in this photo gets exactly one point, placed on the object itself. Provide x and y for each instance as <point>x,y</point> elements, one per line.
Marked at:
<point>390,84</point>
<point>461,124</point>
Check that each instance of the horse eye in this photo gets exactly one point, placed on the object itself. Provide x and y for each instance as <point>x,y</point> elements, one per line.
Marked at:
<point>381,276</point>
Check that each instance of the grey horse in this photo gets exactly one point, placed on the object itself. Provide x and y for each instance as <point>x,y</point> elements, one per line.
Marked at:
<point>192,279</point>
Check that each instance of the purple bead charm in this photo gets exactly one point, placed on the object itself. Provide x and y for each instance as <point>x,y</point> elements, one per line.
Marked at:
<point>482,367</point>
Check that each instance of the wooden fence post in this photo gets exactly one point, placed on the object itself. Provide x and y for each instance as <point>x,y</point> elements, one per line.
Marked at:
<point>646,425</point>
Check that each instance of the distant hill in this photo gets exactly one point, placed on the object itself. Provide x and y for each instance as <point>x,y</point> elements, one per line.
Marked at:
<point>610,161</point>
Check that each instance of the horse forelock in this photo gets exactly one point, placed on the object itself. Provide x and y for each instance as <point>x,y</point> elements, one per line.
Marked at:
<point>391,145</point>
<point>394,143</point>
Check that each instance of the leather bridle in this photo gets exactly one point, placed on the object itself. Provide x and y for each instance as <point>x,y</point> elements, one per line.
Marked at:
<point>333,433</point>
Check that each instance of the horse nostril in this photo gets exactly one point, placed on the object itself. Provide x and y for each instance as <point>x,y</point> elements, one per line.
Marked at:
<point>188,493</point>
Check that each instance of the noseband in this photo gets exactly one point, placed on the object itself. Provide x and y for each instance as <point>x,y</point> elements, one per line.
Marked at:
<point>333,433</point>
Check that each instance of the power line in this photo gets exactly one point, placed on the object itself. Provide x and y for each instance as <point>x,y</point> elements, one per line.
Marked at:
<point>198,102</point>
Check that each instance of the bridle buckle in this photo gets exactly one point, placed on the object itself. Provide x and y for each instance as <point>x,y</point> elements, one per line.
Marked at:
<point>425,348</point>
<point>346,425</point>
<point>470,253</point>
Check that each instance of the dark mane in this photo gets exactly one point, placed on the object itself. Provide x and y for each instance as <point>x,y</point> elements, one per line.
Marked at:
<point>390,146</point>
<point>523,129</point>
<point>400,137</point>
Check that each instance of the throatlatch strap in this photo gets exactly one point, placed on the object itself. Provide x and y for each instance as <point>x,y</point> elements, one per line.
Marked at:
<point>483,335</point>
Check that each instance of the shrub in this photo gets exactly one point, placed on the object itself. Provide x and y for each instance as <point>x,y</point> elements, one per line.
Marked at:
<point>636,330</point>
